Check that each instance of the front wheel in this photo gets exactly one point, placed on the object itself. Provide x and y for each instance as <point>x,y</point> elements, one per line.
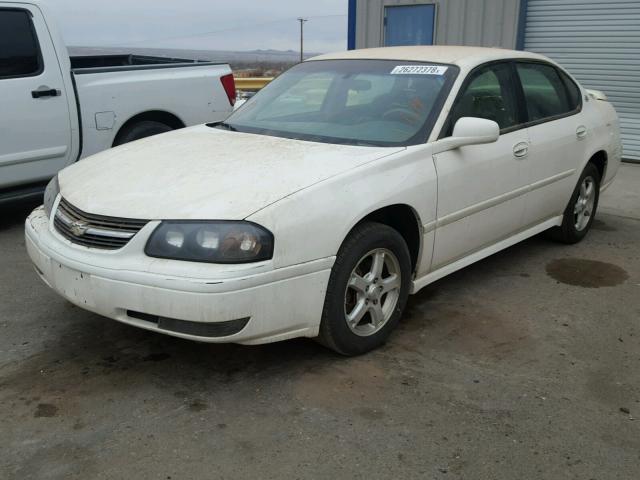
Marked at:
<point>579,214</point>
<point>368,290</point>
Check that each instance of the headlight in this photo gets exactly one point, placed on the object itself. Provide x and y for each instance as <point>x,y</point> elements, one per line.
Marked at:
<point>211,241</point>
<point>50,195</point>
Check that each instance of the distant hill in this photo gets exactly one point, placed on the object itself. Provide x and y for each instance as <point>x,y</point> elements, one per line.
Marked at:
<point>236,59</point>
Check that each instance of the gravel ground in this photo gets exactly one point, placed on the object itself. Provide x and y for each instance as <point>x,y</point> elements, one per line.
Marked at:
<point>522,366</point>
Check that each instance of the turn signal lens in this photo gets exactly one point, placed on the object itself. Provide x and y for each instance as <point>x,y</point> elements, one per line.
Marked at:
<point>50,195</point>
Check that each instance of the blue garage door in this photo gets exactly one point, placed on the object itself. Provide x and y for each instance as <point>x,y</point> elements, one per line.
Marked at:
<point>409,25</point>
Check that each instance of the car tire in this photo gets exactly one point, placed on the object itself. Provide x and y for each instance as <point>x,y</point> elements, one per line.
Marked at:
<point>139,130</point>
<point>581,210</point>
<point>369,285</point>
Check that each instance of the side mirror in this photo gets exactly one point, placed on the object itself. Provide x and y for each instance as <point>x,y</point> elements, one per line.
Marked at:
<point>469,131</point>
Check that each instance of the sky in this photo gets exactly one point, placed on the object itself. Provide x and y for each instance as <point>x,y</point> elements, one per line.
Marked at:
<point>203,24</point>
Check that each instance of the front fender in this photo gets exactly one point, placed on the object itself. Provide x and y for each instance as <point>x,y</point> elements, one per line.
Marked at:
<point>314,222</point>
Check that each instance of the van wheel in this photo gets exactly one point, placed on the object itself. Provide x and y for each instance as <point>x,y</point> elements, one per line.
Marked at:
<point>368,290</point>
<point>140,130</point>
<point>579,214</point>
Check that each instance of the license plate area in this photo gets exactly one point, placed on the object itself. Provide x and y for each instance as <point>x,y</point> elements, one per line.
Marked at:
<point>74,285</point>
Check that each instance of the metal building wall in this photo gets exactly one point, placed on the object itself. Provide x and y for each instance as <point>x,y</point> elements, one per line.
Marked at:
<point>598,41</point>
<point>489,23</point>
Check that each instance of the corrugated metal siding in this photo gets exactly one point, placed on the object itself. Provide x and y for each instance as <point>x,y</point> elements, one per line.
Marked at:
<point>489,23</point>
<point>598,41</point>
<point>486,23</point>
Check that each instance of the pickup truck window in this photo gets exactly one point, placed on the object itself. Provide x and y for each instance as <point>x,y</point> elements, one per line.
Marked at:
<point>19,49</point>
<point>353,102</point>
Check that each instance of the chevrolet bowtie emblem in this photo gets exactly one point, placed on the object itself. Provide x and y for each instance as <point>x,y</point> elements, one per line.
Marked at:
<point>79,228</point>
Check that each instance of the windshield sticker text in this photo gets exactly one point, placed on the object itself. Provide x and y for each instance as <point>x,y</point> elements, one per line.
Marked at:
<point>419,70</point>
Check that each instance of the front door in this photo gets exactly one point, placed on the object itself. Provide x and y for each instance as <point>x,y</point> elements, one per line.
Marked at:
<point>481,188</point>
<point>35,131</point>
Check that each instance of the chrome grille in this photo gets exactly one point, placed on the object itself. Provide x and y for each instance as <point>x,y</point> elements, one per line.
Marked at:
<point>95,231</point>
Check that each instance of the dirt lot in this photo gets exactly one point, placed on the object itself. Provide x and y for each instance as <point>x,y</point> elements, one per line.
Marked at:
<point>523,366</point>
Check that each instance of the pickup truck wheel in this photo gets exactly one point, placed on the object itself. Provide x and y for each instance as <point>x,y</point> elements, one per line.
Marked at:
<point>368,290</point>
<point>581,210</point>
<point>140,130</point>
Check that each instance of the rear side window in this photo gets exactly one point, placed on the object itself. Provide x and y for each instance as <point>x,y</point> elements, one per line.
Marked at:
<point>545,93</point>
<point>19,50</point>
<point>489,95</point>
<point>575,97</point>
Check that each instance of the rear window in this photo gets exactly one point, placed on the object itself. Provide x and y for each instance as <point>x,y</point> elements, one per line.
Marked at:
<point>19,51</point>
<point>545,92</point>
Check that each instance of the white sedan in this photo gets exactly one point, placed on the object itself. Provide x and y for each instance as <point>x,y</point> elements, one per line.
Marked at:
<point>350,182</point>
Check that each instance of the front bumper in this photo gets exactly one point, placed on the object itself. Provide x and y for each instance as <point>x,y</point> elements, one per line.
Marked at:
<point>267,306</point>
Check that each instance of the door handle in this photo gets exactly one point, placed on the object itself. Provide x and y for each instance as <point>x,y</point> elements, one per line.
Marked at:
<point>581,131</point>
<point>520,150</point>
<point>45,92</point>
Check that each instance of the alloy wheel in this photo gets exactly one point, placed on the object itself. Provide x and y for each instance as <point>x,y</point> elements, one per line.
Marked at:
<point>372,292</point>
<point>583,208</point>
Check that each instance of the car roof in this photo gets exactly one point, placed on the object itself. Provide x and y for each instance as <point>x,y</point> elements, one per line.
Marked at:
<point>465,57</point>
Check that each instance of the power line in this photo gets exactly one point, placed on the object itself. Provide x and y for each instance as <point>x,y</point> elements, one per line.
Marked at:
<point>222,30</point>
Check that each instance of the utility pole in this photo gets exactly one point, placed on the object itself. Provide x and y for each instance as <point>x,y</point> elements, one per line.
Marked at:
<point>302,22</point>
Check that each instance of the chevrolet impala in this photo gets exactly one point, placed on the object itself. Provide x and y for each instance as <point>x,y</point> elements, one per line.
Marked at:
<point>350,182</point>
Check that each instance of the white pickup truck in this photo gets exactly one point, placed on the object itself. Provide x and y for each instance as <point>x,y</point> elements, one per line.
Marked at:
<point>56,109</point>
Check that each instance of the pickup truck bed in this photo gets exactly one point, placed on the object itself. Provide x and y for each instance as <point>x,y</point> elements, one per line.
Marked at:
<point>129,62</point>
<point>115,92</point>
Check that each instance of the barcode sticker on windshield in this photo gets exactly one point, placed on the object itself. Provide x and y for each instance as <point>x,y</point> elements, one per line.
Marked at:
<point>419,70</point>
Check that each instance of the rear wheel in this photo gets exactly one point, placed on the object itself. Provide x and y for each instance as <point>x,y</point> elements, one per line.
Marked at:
<point>579,214</point>
<point>143,129</point>
<point>367,291</point>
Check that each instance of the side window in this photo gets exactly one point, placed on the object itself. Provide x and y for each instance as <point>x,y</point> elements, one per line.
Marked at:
<point>489,94</point>
<point>544,91</point>
<point>19,50</point>
<point>575,97</point>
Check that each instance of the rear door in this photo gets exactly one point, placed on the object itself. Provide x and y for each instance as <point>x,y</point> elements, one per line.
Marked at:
<point>35,130</point>
<point>481,188</point>
<point>557,132</point>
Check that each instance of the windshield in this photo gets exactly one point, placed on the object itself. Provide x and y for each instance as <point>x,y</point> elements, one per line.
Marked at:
<point>355,102</point>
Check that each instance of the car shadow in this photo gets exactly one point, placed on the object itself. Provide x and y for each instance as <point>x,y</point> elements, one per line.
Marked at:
<point>82,346</point>
<point>15,213</point>
<point>89,345</point>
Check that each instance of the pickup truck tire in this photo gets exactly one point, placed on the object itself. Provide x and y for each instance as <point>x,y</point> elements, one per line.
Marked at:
<point>363,303</point>
<point>143,129</point>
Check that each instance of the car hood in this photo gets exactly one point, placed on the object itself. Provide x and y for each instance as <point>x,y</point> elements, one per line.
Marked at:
<point>204,173</point>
